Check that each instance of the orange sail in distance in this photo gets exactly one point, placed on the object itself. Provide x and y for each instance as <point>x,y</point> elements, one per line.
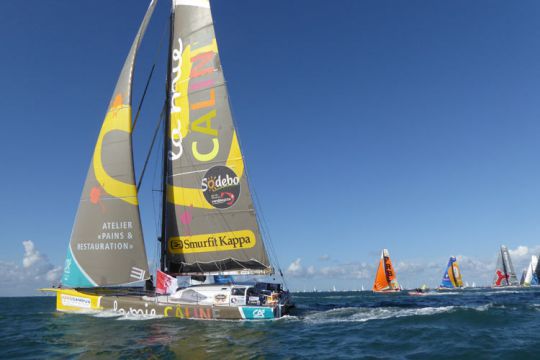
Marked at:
<point>385,280</point>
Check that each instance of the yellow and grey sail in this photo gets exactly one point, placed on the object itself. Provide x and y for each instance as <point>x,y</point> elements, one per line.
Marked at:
<point>210,225</point>
<point>107,246</point>
<point>452,275</point>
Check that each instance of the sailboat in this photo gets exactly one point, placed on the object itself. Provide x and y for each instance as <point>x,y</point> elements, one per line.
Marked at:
<point>209,227</point>
<point>531,274</point>
<point>385,279</point>
<point>504,272</point>
<point>452,276</point>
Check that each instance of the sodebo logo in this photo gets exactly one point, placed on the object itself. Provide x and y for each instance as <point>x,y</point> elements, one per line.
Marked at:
<point>221,187</point>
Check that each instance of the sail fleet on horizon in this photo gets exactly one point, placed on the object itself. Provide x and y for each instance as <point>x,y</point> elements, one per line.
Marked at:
<point>505,275</point>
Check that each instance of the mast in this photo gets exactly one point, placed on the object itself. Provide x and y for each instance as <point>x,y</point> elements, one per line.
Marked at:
<point>166,131</point>
<point>505,270</point>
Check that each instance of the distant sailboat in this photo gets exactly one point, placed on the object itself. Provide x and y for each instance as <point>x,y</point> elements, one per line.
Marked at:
<point>504,271</point>
<point>452,276</point>
<point>531,273</point>
<point>385,279</point>
<point>362,287</point>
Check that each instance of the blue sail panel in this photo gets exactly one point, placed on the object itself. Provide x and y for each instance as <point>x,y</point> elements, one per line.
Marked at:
<point>446,282</point>
<point>73,276</point>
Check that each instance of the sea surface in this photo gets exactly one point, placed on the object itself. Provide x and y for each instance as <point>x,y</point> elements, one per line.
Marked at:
<point>468,324</point>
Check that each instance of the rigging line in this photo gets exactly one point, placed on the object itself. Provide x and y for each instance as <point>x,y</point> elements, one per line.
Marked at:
<point>149,79</point>
<point>158,126</point>
<point>266,230</point>
<point>156,258</point>
<point>257,204</point>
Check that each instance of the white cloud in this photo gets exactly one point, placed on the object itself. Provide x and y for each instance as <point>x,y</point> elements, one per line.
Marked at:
<point>54,274</point>
<point>31,255</point>
<point>324,257</point>
<point>518,252</point>
<point>36,271</point>
<point>295,268</point>
<point>521,256</point>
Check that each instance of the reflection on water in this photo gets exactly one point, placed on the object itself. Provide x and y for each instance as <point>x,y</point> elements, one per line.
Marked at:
<point>325,325</point>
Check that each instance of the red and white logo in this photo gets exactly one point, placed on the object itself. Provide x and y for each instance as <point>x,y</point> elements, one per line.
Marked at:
<point>501,277</point>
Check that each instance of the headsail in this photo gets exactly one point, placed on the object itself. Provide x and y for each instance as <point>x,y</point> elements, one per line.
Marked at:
<point>210,224</point>
<point>452,275</point>
<point>504,272</point>
<point>385,279</point>
<point>531,274</point>
<point>107,246</point>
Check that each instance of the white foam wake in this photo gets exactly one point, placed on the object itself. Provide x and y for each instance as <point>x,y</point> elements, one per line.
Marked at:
<point>369,314</point>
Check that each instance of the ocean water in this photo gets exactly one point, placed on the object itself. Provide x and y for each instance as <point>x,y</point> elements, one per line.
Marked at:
<point>469,324</point>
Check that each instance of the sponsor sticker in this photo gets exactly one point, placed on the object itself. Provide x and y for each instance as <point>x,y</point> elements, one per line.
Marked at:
<point>75,301</point>
<point>254,313</point>
<point>225,241</point>
<point>221,187</point>
<point>220,298</point>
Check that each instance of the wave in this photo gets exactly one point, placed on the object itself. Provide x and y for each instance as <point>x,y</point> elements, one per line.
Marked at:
<point>498,292</point>
<point>107,314</point>
<point>133,315</point>
<point>443,293</point>
<point>383,313</point>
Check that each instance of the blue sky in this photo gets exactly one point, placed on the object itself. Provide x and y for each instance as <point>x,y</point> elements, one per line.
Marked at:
<point>365,124</point>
